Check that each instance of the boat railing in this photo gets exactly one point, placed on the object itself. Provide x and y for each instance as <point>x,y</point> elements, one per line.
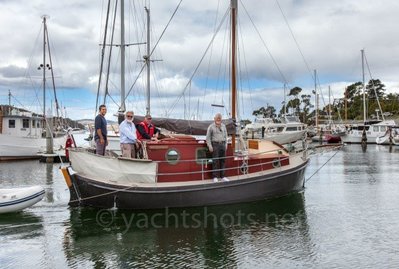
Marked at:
<point>241,163</point>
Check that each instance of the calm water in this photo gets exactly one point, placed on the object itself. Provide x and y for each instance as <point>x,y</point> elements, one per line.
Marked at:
<point>347,217</point>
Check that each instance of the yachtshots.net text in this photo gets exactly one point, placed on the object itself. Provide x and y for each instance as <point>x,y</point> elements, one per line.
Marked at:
<point>203,218</point>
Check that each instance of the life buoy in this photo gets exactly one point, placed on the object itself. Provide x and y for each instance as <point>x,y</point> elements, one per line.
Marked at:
<point>244,168</point>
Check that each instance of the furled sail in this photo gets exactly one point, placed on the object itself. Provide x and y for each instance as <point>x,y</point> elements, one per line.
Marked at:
<point>189,127</point>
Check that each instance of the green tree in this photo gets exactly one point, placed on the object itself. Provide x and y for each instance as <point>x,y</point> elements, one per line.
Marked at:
<point>306,107</point>
<point>354,90</point>
<point>375,87</point>
<point>266,112</point>
<point>295,103</point>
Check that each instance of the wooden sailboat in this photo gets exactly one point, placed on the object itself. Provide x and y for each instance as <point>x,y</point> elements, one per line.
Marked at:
<point>177,170</point>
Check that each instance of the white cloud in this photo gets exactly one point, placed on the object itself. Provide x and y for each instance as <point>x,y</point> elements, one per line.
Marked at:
<point>330,36</point>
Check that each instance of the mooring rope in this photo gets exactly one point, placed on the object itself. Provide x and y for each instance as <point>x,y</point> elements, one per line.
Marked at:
<point>339,148</point>
<point>99,195</point>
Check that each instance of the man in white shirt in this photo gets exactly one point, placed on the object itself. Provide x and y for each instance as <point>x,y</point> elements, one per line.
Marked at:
<point>128,138</point>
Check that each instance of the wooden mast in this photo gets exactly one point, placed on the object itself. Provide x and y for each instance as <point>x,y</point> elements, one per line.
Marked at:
<point>233,5</point>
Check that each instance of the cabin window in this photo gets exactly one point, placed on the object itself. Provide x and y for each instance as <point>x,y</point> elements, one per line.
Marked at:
<point>11,123</point>
<point>33,123</point>
<point>202,155</point>
<point>25,123</point>
<point>172,156</point>
<point>291,129</point>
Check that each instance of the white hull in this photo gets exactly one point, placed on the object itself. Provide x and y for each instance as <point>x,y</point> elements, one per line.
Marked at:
<point>355,137</point>
<point>285,138</point>
<point>374,133</point>
<point>14,147</point>
<point>17,199</point>
<point>281,138</point>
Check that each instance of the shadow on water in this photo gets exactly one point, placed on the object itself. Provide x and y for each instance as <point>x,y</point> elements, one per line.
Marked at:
<point>367,163</point>
<point>212,236</point>
<point>49,182</point>
<point>23,224</point>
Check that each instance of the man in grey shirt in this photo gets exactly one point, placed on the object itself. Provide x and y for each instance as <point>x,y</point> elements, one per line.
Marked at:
<point>216,139</point>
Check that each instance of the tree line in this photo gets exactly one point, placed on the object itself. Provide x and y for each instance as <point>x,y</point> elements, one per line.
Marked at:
<point>347,108</point>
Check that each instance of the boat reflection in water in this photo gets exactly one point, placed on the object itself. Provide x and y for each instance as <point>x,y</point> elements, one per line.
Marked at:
<point>212,236</point>
<point>24,224</point>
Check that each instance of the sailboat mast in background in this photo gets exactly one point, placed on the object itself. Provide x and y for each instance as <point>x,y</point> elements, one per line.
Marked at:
<point>364,90</point>
<point>122,108</point>
<point>44,66</point>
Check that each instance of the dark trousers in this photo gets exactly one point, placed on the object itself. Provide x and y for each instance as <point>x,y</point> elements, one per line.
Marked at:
<point>100,148</point>
<point>218,154</point>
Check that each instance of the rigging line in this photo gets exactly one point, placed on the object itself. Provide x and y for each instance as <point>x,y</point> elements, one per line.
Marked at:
<point>264,44</point>
<point>15,98</point>
<point>135,22</point>
<point>240,82</point>
<point>247,75</point>
<point>222,72</point>
<point>102,56</point>
<point>158,87</point>
<point>57,107</point>
<point>156,44</point>
<point>202,58</point>
<point>320,90</point>
<point>166,27</point>
<point>372,83</point>
<point>210,57</point>
<point>27,73</point>
<point>293,37</point>
<point>110,54</point>
<point>339,111</point>
<point>324,164</point>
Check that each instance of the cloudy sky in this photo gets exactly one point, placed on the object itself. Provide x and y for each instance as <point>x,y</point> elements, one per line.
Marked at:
<point>279,42</point>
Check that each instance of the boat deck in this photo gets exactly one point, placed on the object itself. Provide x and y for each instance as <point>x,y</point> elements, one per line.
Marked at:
<point>295,161</point>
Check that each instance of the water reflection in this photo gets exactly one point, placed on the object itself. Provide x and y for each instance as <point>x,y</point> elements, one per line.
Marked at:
<point>49,182</point>
<point>212,236</point>
<point>359,167</point>
<point>24,225</point>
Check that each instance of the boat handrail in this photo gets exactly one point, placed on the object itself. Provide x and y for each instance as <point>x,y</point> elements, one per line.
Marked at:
<point>243,155</point>
<point>239,165</point>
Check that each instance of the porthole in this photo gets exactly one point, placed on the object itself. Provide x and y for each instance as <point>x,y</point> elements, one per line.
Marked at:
<point>276,163</point>
<point>172,156</point>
